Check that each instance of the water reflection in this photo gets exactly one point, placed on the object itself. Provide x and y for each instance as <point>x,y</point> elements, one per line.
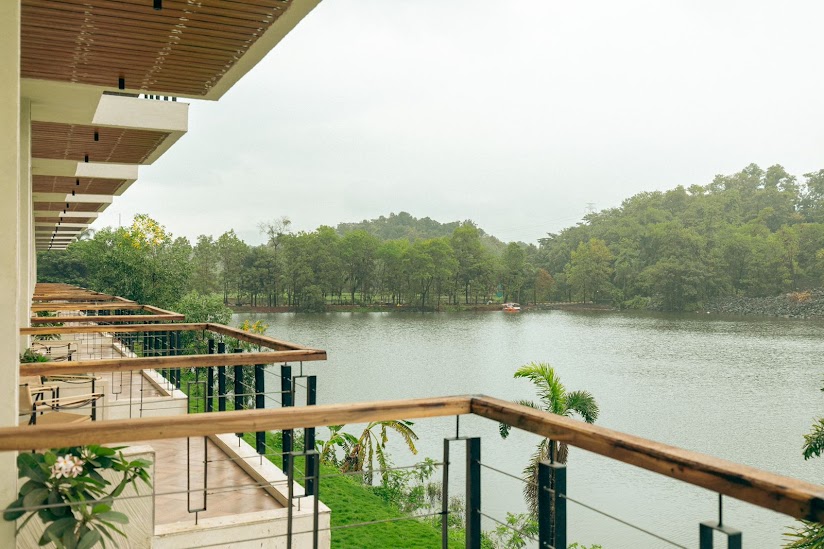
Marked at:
<point>743,389</point>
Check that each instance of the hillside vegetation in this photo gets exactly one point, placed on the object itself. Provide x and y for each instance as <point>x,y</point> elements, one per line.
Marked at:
<point>754,233</point>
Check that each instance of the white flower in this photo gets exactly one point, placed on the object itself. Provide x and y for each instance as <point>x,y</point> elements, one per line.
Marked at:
<point>67,466</point>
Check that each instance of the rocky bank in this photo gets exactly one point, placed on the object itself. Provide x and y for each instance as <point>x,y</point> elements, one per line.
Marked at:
<point>806,304</point>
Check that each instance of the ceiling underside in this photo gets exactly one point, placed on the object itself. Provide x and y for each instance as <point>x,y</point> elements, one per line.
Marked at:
<point>182,49</point>
<point>87,185</point>
<point>73,142</point>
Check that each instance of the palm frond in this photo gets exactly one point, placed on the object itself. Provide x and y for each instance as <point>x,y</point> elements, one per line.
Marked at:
<point>810,535</point>
<point>530,476</point>
<point>404,430</point>
<point>582,403</point>
<point>550,389</point>
<point>814,441</point>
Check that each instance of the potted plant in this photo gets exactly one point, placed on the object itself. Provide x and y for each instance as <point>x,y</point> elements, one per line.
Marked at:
<point>67,490</point>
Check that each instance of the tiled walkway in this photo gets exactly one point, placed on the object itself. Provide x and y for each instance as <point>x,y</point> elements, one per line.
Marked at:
<point>226,494</point>
<point>229,488</point>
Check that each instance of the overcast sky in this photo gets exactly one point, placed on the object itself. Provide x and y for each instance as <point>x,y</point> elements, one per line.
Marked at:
<point>513,114</point>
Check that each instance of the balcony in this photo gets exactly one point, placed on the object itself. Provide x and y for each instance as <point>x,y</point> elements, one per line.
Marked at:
<point>205,403</point>
<point>204,488</point>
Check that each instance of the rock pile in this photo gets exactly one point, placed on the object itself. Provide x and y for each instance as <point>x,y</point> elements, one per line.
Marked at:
<point>806,304</point>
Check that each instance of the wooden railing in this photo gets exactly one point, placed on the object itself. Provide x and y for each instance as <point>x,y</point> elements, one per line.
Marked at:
<point>785,495</point>
<point>248,337</point>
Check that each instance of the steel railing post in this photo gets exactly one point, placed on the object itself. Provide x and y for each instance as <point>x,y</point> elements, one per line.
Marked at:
<point>286,401</point>
<point>221,381</point>
<point>260,404</point>
<point>473,493</point>
<point>210,379</point>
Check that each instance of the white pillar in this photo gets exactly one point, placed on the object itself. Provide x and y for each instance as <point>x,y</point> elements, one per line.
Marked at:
<point>9,240</point>
<point>26,239</point>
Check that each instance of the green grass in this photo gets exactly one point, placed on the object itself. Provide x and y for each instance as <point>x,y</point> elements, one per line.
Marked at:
<point>352,502</point>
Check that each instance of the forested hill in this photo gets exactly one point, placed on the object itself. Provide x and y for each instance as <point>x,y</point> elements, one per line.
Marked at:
<point>750,234</point>
<point>404,226</point>
<point>753,233</point>
<point>401,225</point>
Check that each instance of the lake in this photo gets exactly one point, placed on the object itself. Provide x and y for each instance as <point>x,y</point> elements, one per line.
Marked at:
<point>744,389</point>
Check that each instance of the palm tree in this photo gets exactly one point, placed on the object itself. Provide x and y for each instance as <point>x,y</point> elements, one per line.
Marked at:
<point>370,446</point>
<point>555,399</point>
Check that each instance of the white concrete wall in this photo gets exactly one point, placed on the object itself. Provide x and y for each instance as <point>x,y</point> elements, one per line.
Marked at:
<point>9,227</point>
<point>26,221</point>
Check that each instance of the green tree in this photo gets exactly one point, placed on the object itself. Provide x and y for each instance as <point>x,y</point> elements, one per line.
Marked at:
<point>469,254</point>
<point>357,251</point>
<point>371,447</point>
<point>514,271</point>
<point>204,265</point>
<point>555,399</point>
<point>590,269</point>
<point>230,252</point>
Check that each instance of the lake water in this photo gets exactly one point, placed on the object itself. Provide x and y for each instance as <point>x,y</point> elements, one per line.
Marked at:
<point>746,390</point>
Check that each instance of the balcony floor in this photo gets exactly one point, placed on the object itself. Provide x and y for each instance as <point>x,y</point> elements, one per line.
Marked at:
<point>225,478</point>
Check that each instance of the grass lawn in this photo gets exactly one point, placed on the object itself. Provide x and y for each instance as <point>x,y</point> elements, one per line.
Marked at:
<point>351,503</point>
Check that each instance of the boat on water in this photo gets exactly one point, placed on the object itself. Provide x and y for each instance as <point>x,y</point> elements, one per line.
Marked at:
<point>512,308</point>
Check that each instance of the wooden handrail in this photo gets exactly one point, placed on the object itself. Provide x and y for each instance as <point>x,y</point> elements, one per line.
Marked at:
<point>783,494</point>
<point>100,329</point>
<point>256,339</point>
<point>107,318</point>
<point>84,306</point>
<point>786,495</point>
<point>168,362</point>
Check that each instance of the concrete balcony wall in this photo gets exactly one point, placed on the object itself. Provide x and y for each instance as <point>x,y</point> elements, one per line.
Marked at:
<point>10,289</point>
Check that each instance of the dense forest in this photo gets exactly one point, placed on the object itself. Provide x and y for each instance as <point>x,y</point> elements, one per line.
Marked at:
<point>753,233</point>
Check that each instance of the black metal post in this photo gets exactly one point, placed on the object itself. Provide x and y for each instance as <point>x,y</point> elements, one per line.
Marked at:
<point>544,505</point>
<point>210,379</point>
<point>221,381</point>
<point>238,385</point>
<point>445,497</point>
<point>473,493</point>
<point>260,404</point>
<point>309,437</point>
<point>286,399</point>
<point>734,537</point>
<point>559,522</point>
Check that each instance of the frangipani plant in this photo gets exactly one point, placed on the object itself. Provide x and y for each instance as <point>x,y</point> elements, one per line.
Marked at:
<point>70,495</point>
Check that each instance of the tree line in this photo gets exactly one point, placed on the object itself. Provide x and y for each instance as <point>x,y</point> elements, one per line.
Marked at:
<point>753,233</point>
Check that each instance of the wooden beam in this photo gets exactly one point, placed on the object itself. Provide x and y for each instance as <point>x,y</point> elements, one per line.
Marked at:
<point>106,318</point>
<point>135,430</point>
<point>167,362</point>
<point>792,497</point>
<point>257,339</point>
<point>87,306</point>
<point>159,311</point>
<point>126,328</point>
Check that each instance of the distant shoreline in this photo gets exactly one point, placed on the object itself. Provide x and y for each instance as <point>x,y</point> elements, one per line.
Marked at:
<point>479,308</point>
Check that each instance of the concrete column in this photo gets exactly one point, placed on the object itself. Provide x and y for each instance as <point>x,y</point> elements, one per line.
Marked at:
<point>9,240</point>
<point>26,221</point>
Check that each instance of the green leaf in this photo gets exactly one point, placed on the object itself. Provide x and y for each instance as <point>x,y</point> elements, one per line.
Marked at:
<point>57,529</point>
<point>35,497</point>
<point>29,486</point>
<point>101,508</point>
<point>14,511</point>
<point>114,516</point>
<point>89,539</point>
